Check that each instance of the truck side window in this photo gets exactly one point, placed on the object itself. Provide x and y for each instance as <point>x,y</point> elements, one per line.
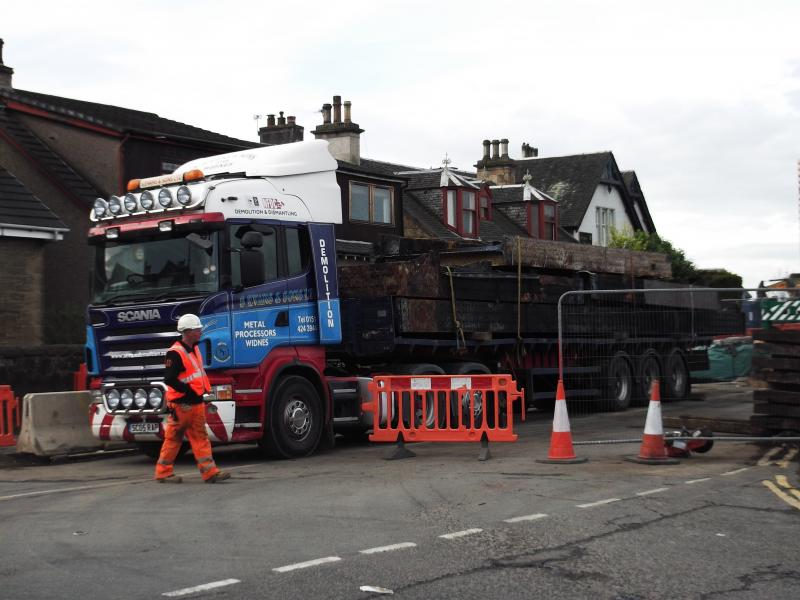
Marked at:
<point>297,250</point>
<point>269,249</point>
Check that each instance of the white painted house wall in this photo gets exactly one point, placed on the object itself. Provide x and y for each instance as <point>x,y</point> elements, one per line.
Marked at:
<point>607,199</point>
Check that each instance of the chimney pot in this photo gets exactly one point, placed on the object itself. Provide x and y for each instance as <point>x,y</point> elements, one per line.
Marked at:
<point>495,148</point>
<point>5,72</point>
<point>281,119</point>
<point>337,109</point>
<point>504,148</point>
<point>326,114</point>
<point>291,120</point>
<point>270,121</point>
<point>347,106</point>
<point>486,144</point>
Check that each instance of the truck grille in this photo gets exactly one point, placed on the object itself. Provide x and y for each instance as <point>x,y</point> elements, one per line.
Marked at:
<point>139,352</point>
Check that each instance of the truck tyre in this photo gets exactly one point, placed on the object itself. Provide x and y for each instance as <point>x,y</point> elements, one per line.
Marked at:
<point>429,417</point>
<point>649,369</point>
<point>480,404</point>
<point>294,421</point>
<point>619,382</point>
<point>677,380</point>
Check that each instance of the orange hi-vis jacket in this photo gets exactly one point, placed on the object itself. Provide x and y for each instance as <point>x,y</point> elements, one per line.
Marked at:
<point>193,373</point>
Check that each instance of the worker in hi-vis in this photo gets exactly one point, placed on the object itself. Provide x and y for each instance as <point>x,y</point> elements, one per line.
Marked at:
<point>187,382</point>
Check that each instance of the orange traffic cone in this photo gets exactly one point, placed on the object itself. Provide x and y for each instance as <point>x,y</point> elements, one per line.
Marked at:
<point>561,450</point>
<point>653,450</point>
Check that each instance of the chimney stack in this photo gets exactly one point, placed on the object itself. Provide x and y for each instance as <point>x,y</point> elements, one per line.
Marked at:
<point>504,148</point>
<point>486,144</point>
<point>529,151</point>
<point>283,131</point>
<point>337,109</point>
<point>344,138</point>
<point>5,72</point>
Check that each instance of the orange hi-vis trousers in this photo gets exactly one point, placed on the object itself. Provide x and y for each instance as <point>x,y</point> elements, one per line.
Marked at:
<point>189,419</point>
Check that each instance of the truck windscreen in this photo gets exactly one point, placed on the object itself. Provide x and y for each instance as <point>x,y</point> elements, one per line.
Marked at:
<point>156,268</point>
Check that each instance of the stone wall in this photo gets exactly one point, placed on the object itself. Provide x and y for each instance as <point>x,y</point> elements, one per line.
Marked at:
<point>39,368</point>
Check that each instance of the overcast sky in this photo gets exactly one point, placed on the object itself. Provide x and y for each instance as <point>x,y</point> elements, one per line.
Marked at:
<point>701,99</point>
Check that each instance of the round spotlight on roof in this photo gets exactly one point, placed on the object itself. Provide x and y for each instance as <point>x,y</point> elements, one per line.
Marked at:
<point>146,201</point>
<point>165,198</point>
<point>130,203</point>
<point>115,206</point>
<point>100,208</point>
<point>184,195</point>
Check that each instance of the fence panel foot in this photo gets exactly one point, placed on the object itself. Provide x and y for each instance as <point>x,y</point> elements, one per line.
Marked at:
<point>400,451</point>
<point>484,453</point>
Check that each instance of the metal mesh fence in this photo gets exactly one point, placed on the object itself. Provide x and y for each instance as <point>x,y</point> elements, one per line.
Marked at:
<point>613,344</point>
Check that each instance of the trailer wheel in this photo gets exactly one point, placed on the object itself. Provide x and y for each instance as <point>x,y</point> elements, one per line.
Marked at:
<point>429,416</point>
<point>677,380</point>
<point>648,371</point>
<point>480,404</point>
<point>294,423</point>
<point>619,382</point>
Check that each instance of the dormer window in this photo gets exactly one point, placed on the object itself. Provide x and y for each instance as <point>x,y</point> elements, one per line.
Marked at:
<point>461,211</point>
<point>371,203</point>
<point>543,220</point>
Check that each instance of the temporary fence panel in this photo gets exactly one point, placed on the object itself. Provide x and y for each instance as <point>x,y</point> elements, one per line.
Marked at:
<point>614,343</point>
<point>444,408</point>
<point>10,416</point>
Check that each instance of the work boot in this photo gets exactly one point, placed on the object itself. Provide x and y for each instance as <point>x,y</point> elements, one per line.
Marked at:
<point>171,479</point>
<point>219,476</point>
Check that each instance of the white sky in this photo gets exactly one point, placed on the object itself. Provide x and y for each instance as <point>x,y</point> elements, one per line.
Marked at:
<point>702,99</point>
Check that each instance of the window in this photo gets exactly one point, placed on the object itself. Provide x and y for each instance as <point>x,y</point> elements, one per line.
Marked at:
<point>371,203</point>
<point>585,238</point>
<point>461,211</point>
<point>297,251</point>
<point>485,210</point>
<point>452,208</point>
<point>549,221</point>
<point>604,217</point>
<point>269,250</point>
<point>468,216</point>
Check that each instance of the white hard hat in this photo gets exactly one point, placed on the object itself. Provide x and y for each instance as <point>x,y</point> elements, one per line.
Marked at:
<point>189,321</point>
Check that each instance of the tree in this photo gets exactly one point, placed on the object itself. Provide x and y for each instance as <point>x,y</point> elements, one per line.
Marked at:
<point>683,269</point>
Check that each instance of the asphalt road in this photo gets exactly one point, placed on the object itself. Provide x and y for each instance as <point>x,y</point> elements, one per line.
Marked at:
<point>440,525</point>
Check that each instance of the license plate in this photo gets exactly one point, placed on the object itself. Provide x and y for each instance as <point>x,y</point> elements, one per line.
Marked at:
<point>143,427</point>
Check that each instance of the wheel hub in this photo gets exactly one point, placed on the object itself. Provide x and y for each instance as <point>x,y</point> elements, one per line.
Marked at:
<point>298,417</point>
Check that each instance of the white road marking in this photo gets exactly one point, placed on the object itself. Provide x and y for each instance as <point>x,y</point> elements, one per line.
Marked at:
<point>458,534</point>
<point>389,548</point>
<point>525,518</point>
<point>655,491</point>
<point>598,503</point>
<point>735,472</point>
<point>690,481</point>
<point>201,588</point>
<point>306,564</point>
<point>767,458</point>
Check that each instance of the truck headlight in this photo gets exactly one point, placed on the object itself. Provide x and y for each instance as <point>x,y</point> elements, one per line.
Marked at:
<point>140,398</point>
<point>112,398</point>
<point>115,205</point>
<point>126,398</point>
<point>155,397</point>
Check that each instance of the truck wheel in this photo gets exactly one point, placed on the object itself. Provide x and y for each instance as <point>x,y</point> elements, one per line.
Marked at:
<point>480,405</point>
<point>648,371</point>
<point>619,382</point>
<point>677,380</point>
<point>429,416</point>
<point>294,421</point>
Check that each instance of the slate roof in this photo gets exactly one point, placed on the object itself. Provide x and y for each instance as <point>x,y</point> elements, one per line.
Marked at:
<point>122,120</point>
<point>571,180</point>
<point>19,207</point>
<point>428,220</point>
<point>636,193</point>
<point>46,159</point>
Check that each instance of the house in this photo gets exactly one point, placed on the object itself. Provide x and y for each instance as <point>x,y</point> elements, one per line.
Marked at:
<point>60,154</point>
<point>594,197</point>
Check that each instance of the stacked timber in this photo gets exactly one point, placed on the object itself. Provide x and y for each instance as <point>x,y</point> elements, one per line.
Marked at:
<point>776,365</point>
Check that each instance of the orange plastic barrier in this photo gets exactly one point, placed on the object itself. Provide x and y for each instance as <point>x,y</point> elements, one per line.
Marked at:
<point>10,416</point>
<point>443,408</point>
